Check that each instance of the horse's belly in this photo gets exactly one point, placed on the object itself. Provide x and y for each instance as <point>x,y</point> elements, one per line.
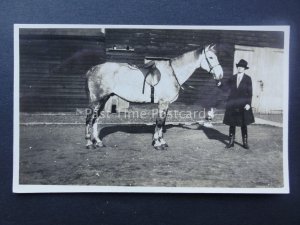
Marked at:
<point>133,93</point>
<point>166,92</point>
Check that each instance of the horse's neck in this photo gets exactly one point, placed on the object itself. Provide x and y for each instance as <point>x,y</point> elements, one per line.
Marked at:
<point>185,65</point>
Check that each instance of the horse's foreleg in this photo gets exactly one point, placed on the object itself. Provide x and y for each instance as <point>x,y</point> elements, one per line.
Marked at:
<point>158,141</point>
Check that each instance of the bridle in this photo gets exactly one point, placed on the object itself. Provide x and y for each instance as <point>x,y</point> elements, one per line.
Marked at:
<point>211,68</point>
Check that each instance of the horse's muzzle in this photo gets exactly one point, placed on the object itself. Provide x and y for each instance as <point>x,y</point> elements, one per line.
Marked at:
<point>218,72</point>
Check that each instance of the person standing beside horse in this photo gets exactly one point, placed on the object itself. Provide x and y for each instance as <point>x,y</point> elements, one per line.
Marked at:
<point>238,108</point>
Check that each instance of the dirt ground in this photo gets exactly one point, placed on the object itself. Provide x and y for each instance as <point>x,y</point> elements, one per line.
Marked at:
<point>56,155</point>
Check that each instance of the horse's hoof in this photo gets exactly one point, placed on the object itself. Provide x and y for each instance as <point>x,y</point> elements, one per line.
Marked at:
<point>153,143</point>
<point>88,146</point>
<point>99,145</point>
<point>160,148</point>
<point>165,145</point>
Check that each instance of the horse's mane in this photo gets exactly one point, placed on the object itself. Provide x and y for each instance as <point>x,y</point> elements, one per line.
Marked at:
<point>196,52</point>
<point>210,48</point>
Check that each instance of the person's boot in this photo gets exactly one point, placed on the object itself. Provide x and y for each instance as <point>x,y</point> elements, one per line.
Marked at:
<point>245,137</point>
<point>231,141</point>
<point>231,137</point>
<point>245,142</point>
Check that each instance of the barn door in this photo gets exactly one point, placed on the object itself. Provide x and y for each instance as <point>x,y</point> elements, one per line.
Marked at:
<point>266,70</point>
<point>116,104</point>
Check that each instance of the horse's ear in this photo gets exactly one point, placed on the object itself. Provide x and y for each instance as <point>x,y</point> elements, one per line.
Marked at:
<point>212,47</point>
<point>207,47</point>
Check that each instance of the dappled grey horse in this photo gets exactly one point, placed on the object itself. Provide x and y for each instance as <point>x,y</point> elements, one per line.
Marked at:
<point>158,82</point>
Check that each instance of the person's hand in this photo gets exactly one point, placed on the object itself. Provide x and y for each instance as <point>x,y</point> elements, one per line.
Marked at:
<point>247,107</point>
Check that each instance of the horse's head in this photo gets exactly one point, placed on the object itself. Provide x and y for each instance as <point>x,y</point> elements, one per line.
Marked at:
<point>209,62</point>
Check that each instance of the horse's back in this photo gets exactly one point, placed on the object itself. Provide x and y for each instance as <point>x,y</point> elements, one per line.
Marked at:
<point>108,68</point>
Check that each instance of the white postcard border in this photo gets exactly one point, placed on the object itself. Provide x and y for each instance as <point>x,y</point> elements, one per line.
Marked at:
<point>18,188</point>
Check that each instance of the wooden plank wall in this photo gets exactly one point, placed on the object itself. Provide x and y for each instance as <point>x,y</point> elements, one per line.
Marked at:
<point>171,43</point>
<point>53,64</point>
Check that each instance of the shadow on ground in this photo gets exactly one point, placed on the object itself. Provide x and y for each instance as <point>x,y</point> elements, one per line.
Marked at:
<point>138,129</point>
<point>214,134</point>
<point>210,133</point>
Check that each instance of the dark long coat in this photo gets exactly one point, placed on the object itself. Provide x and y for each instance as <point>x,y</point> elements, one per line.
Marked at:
<point>235,114</point>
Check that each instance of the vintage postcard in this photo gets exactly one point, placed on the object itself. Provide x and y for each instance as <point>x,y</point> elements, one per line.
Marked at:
<point>153,109</point>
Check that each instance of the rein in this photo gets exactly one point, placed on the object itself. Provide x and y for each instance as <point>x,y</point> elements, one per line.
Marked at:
<point>174,74</point>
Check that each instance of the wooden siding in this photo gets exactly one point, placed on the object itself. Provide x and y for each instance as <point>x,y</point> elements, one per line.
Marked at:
<point>171,43</point>
<point>53,67</point>
<point>53,64</point>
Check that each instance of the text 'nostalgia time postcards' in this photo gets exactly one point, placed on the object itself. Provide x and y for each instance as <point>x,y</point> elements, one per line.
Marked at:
<point>153,109</point>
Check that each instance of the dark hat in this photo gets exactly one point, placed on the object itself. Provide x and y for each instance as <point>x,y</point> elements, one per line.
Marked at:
<point>242,63</point>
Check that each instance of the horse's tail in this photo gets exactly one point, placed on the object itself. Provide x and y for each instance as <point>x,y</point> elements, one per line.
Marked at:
<point>87,75</point>
<point>89,72</point>
<point>87,90</point>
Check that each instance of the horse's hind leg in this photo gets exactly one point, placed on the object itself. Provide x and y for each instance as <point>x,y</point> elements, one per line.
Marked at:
<point>98,142</point>
<point>92,114</point>
<point>158,142</point>
<point>92,123</point>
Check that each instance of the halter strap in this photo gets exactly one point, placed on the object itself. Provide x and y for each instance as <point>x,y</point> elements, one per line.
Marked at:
<point>208,63</point>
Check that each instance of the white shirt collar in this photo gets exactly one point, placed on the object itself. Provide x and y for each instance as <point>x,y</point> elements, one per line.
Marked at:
<point>240,75</point>
<point>239,79</point>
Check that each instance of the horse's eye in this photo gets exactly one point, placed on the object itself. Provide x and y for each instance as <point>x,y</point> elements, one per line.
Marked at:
<point>210,57</point>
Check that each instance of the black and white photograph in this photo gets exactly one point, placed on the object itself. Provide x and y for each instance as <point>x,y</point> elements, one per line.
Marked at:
<point>152,109</point>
